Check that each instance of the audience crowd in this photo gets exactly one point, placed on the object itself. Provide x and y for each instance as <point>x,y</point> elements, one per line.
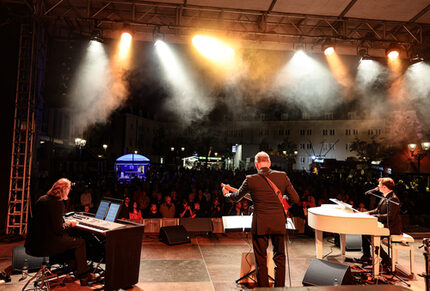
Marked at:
<point>197,193</point>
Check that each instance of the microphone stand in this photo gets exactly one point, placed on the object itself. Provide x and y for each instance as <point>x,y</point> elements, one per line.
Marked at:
<point>388,224</point>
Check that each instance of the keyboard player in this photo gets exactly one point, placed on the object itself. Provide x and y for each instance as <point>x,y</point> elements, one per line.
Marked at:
<point>47,233</point>
<point>387,213</point>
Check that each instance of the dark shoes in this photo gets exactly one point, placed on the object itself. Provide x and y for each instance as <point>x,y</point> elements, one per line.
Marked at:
<point>386,263</point>
<point>366,259</point>
<point>87,279</point>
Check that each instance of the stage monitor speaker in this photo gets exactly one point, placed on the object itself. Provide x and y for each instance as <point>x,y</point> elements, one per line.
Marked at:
<point>353,242</point>
<point>324,273</point>
<point>202,224</point>
<point>19,256</point>
<point>174,235</point>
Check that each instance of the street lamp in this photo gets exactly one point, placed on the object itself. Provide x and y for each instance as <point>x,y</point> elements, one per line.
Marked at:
<point>80,142</point>
<point>105,146</point>
<point>420,154</point>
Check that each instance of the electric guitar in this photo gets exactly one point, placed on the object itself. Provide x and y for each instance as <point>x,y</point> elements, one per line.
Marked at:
<point>247,196</point>
<point>231,189</point>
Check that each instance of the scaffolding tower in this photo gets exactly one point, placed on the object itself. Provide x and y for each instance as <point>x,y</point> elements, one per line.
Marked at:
<point>24,129</point>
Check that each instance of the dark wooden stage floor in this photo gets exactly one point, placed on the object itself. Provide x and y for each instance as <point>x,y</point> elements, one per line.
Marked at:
<point>214,263</point>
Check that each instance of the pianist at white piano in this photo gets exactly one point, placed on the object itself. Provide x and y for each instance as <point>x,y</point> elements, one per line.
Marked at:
<point>387,213</point>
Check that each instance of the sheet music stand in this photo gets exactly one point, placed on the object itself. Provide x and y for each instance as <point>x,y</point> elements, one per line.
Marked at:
<point>243,224</point>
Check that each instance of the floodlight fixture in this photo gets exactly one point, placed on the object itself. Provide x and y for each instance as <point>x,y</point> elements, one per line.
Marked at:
<point>364,54</point>
<point>299,47</point>
<point>126,34</point>
<point>96,35</point>
<point>416,59</point>
<point>393,52</point>
<point>328,50</point>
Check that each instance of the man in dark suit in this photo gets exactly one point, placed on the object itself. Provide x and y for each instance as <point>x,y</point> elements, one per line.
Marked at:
<point>269,218</point>
<point>388,213</point>
<point>47,235</point>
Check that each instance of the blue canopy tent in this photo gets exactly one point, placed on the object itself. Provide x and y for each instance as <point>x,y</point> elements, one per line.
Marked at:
<point>131,166</point>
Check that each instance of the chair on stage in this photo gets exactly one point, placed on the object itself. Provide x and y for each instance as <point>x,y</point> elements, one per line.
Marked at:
<point>45,278</point>
<point>402,242</point>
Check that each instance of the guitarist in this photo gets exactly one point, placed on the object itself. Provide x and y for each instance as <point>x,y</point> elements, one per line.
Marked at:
<point>269,217</point>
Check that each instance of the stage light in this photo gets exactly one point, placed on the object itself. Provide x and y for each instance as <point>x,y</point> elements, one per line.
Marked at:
<point>124,45</point>
<point>126,37</point>
<point>297,47</point>
<point>328,50</point>
<point>364,55</point>
<point>213,49</point>
<point>393,53</point>
<point>416,59</point>
<point>300,58</point>
<point>96,35</point>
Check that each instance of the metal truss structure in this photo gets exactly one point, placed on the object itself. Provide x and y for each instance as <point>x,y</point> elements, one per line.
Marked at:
<point>176,22</point>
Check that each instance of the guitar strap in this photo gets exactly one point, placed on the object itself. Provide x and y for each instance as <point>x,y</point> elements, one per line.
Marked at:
<point>278,193</point>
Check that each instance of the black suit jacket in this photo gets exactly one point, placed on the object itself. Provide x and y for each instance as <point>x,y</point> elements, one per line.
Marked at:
<point>269,216</point>
<point>389,215</point>
<point>46,233</point>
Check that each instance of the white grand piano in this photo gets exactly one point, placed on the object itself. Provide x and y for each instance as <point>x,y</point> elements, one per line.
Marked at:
<point>339,218</point>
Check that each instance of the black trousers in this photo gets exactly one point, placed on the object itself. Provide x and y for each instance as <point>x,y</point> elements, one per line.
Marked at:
<point>77,246</point>
<point>260,244</point>
<point>366,245</point>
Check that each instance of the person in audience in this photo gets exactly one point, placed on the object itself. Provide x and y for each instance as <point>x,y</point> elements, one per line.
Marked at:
<point>198,211</point>
<point>138,196</point>
<point>125,209</point>
<point>207,195</point>
<point>153,211</point>
<point>236,208</point>
<point>245,208</point>
<point>86,198</point>
<point>135,213</point>
<point>361,207</point>
<point>216,211</point>
<point>167,209</point>
<point>187,211</point>
<point>159,199</point>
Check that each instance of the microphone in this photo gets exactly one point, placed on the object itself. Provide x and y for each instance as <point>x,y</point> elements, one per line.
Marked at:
<point>371,191</point>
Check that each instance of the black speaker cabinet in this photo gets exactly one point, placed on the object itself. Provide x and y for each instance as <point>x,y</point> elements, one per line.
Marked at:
<point>201,224</point>
<point>324,273</point>
<point>19,256</point>
<point>353,242</point>
<point>174,235</point>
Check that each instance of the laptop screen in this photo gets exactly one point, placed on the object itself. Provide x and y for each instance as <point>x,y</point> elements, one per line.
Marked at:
<point>103,208</point>
<point>113,211</point>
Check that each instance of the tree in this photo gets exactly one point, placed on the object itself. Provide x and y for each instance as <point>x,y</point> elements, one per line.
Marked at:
<point>288,150</point>
<point>373,151</point>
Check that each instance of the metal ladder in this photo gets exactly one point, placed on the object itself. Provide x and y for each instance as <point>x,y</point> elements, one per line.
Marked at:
<point>23,130</point>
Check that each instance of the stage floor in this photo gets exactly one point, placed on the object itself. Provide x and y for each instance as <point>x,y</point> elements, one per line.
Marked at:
<point>214,263</point>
